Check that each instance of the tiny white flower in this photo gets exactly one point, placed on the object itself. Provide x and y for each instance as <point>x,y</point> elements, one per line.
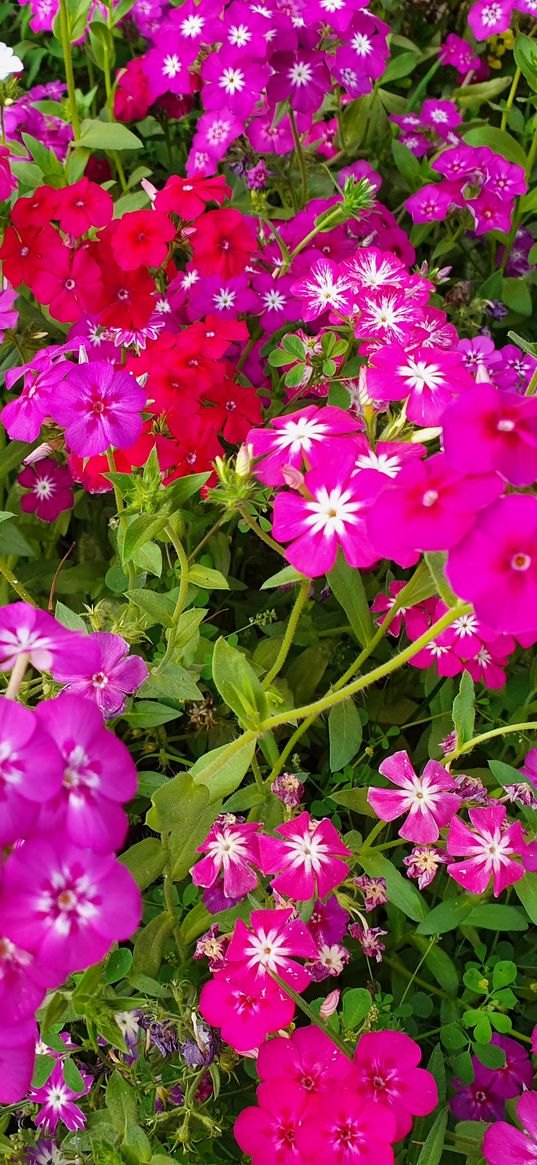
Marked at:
<point>9,63</point>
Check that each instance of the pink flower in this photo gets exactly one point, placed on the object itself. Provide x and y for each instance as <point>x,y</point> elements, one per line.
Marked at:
<point>232,849</point>
<point>428,799</point>
<point>66,905</point>
<point>423,863</point>
<point>50,489</point>
<point>26,631</point>
<point>57,1099</point>
<point>490,850</point>
<point>517,1072</point>
<point>388,315</point>
<point>310,858</point>
<point>323,289</point>
<point>489,18</point>
<point>309,1059</point>
<point>117,673</point>
<point>83,205</point>
<point>272,945</point>
<point>98,775</point>
<point>369,938</point>
<point>246,1009</point>
<point>428,378</point>
<point>331,515</point>
<point>270,1132</point>
<point>495,566</point>
<point>17,1058</point>
<point>386,1073</point>
<point>503,1143</point>
<point>489,430</point>
<point>300,77</point>
<point>307,438</point>
<point>25,751</point>
<point>374,891</point>
<point>22,983</point>
<point>433,203</point>
<point>8,314</point>
<point>347,1129</point>
<point>98,408</point>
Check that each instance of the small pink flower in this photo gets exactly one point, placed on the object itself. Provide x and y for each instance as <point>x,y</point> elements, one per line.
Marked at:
<point>490,849</point>
<point>117,674</point>
<point>307,438</point>
<point>309,858</point>
<point>50,489</point>
<point>57,1099</point>
<point>489,18</point>
<point>374,891</point>
<point>386,1073</point>
<point>331,515</point>
<point>428,799</point>
<point>370,940</point>
<point>272,945</point>
<point>247,1010</point>
<point>24,630</point>
<point>99,408</point>
<point>309,1059</point>
<point>232,849</point>
<point>347,1129</point>
<point>503,1143</point>
<point>423,863</point>
<point>324,289</point>
<point>269,1132</point>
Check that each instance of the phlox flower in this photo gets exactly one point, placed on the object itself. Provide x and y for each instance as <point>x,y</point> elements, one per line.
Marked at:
<point>308,438</point>
<point>386,1072</point>
<point>70,285</point>
<point>517,1072</point>
<point>24,255</point>
<point>166,68</point>
<point>330,961</point>
<point>308,860</point>
<point>502,1142</point>
<point>50,489</point>
<point>495,566</point>
<point>428,800</point>
<point>301,77</point>
<point>8,313</point>
<point>388,315</point>
<point>269,1132</point>
<point>490,850</point>
<point>118,674</point>
<point>424,862</point>
<point>374,269</point>
<point>17,1058</point>
<point>308,1060</point>
<point>98,775</point>
<point>66,905</point>
<point>490,212</point>
<point>459,53</point>
<point>433,203</point>
<point>22,982</point>
<point>272,945</point>
<point>478,1101</point>
<point>492,430</point>
<point>369,938</point>
<point>246,1009</point>
<point>231,849</point>
<point>323,289</point>
<point>328,921</point>
<point>99,408</point>
<point>374,891</point>
<point>56,1099</point>
<point>232,82</point>
<point>223,243</point>
<point>8,182</point>
<point>442,116</point>
<point>25,749</point>
<point>188,197</point>
<point>83,205</point>
<point>141,238</point>
<point>347,1129</point>
<point>332,514</point>
<point>24,630</point>
<point>489,18</point>
<point>429,379</point>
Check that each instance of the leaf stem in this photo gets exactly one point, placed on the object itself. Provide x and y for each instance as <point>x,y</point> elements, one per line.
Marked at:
<point>528,726</point>
<point>14,583</point>
<point>312,1016</point>
<point>299,156</point>
<point>181,598</point>
<point>300,602</point>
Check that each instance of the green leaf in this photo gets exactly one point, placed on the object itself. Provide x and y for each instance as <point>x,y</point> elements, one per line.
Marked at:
<point>439,964</point>
<point>474,95</point>
<point>355,800</point>
<point>437,1068</point>
<point>118,964</point>
<point>72,1076</point>
<point>464,709</point>
<point>505,774</point>
<point>406,162</point>
<point>490,916</point>
<point>173,682</point>
<point>526,892</point>
<point>107,135</point>
<point>44,1066</point>
<point>185,812</point>
<point>136,1147</point>
<point>15,453</point>
<point>139,530</point>
<point>282,578</point>
<point>399,66</point>
<point>490,1055</point>
<point>400,892</point>
<point>184,488</point>
<point>150,944</point>
<point>69,618</point>
<point>504,973</point>
<point>238,684</point>
<point>525,54</point>
<point>121,1102</point>
<point>446,916</point>
<point>145,860</point>
<point>433,1147</point>
<point>208,579</point>
<point>436,561</point>
<point>345,733</point>
<point>357,1003</point>
<point>160,608</point>
<point>223,769</point>
<point>294,345</point>
<point>348,589</point>
<point>517,295</point>
<point>149,714</point>
<point>195,923</point>
<point>498,140</point>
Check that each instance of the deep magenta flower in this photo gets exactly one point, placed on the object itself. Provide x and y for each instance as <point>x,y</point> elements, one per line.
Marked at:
<point>490,850</point>
<point>489,17</point>
<point>247,1009</point>
<point>25,751</point>
<point>99,775</point>
<point>478,1101</point>
<point>56,1099</point>
<point>517,1072</point>
<point>429,379</point>
<point>17,1058</point>
<point>495,565</point>
<point>428,800</point>
<point>487,430</point>
<point>273,944</point>
<point>24,630</point>
<point>308,438</point>
<point>99,408</point>
<point>503,1143</point>
<point>300,77</point>
<point>50,489</point>
<point>66,905</point>
<point>269,1132</point>
<point>232,849</point>
<point>332,514</point>
<point>310,1059</point>
<point>118,674</point>
<point>386,1072</point>
<point>22,983</point>
<point>347,1129</point>
<point>323,289</point>
<point>308,860</point>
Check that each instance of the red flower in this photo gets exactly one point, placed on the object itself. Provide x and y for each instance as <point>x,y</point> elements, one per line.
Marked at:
<point>197,444</point>
<point>188,197</point>
<point>71,285</point>
<point>23,256</point>
<point>35,211</point>
<point>141,239</point>
<point>234,409</point>
<point>223,243</point>
<point>129,294</point>
<point>216,333</point>
<point>133,94</point>
<point>82,206</point>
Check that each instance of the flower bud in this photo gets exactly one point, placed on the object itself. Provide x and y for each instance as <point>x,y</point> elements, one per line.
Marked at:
<point>150,190</point>
<point>43,450</point>
<point>292,477</point>
<point>330,1004</point>
<point>243,463</point>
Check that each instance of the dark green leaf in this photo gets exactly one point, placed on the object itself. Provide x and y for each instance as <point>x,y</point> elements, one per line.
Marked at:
<point>238,684</point>
<point>347,587</point>
<point>433,1148</point>
<point>464,709</point>
<point>400,892</point>
<point>357,1003</point>
<point>145,860</point>
<point>345,734</point>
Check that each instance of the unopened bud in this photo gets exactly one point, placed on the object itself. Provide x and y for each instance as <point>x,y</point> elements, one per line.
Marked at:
<point>482,374</point>
<point>43,450</point>
<point>330,1004</point>
<point>82,355</point>
<point>243,463</point>
<point>292,477</point>
<point>150,190</point>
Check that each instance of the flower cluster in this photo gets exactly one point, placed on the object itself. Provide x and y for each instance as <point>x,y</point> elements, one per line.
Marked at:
<point>474,179</point>
<point>64,898</point>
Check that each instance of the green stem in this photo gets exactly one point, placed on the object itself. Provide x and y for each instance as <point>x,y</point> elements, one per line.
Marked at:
<point>529,726</point>
<point>510,99</point>
<point>181,598</point>
<point>532,386</point>
<point>299,157</point>
<point>402,970</point>
<point>530,162</point>
<point>251,522</point>
<point>214,529</point>
<point>372,835</point>
<point>68,62</point>
<point>294,617</point>
<point>311,1015</point>
<point>131,569</point>
<point>14,583</point>
<point>418,968</point>
<point>422,86</point>
<point>331,216</point>
<point>258,775</point>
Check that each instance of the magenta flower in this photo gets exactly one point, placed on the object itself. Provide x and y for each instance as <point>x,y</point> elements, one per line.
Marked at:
<point>386,1072</point>
<point>308,438</point>
<point>66,905</point>
<point>273,944</point>
<point>503,1143</point>
<point>348,1129</point>
<point>17,1058</point>
<point>433,203</point>
<point>98,408</point>
<point>331,515</point>
<point>490,430</point>
<point>323,289</point>
<point>98,775</point>
<point>309,858</point>
<point>26,631</point>
<point>22,985</point>
<point>309,1059</point>
<point>495,566</point>
<point>232,83</point>
<point>489,18</point>
<point>490,850</point>
<point>517,1072</point>
<point>300,77</point>
<point>50,489</point>
<point>247,1010</point>
<point>328,921</point>
<point>118,674</point>
<point>369,938</point>
<point>478,1101</point>
<point>8,314</point>
<point>57,1099</point>
<point>427,378</point>
<point>428,800</point>
<point>269,1132</point>
<point>24,416</point>
<point>388,315</point>
<point>25,750</point>
<point>232,849</point>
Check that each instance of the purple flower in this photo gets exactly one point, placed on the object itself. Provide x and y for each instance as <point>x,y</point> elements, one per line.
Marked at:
<point>50,489</point>
<point>118,674</point>
<point>478,1101</point>
<point>45,1152</point>
<point>23,417</point>
<point>517,1072</point>
<point>369,939</point>
<point>373,889</point>
<point>301,77</point>
<point>99,408</point>
<point>232,83</point>
<point>289,790</point>
<point>423,863</point>
<point>57,1099</point>
<point>328,921</point>
<point>17,1058</point>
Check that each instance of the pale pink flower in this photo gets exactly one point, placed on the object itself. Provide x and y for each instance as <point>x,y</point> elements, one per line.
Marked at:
<point>308,860</point>
<point>424,862</point>
<point>428,800</point>
<point>490,849</point>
